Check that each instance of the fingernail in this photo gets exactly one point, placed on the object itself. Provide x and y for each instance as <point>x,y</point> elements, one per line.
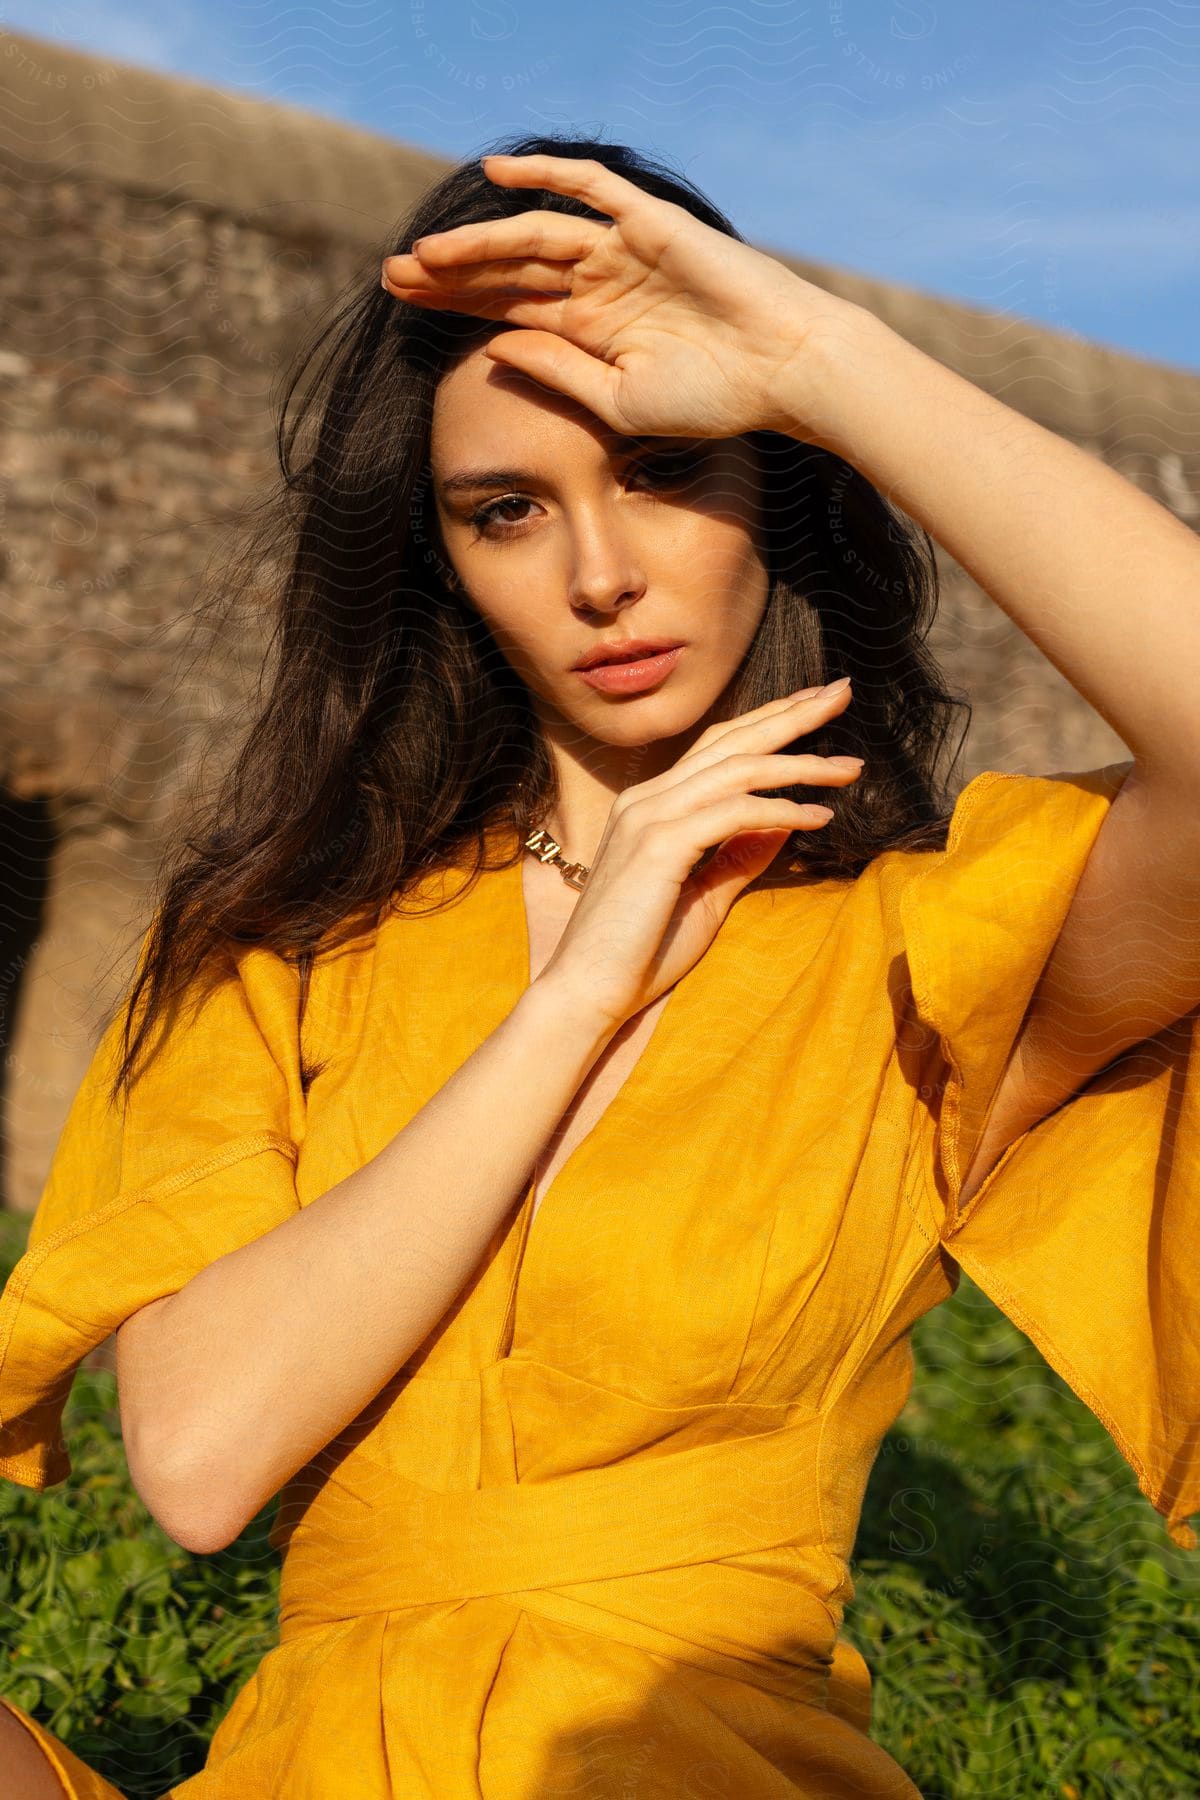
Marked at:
<point>835,687</point>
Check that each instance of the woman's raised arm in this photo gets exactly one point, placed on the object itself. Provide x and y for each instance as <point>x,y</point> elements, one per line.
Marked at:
<point>231,1385</point>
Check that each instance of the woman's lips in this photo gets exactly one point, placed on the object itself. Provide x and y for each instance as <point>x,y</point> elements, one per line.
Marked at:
<point>632,677</point>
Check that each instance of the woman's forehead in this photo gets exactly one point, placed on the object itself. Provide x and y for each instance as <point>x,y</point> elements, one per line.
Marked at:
<point>485,411</point>
<point>478,395</point>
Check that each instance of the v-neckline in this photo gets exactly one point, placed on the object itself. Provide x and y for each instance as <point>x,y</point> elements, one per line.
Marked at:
<point>652,1045</point>
<point>531,1230</point>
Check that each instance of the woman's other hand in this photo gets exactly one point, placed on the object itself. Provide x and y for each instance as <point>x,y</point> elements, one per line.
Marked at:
<point>647,913</point>
<point>656,322</point>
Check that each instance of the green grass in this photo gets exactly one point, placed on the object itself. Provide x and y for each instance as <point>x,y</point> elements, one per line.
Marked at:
<point>1031,1629</point>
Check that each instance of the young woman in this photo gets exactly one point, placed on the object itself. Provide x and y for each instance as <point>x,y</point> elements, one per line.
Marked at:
<point>558,1122</point>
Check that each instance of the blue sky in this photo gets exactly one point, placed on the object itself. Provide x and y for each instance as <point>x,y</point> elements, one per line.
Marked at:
<point>1038,159</point>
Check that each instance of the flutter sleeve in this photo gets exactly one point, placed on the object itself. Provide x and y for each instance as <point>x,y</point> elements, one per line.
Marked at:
<point>141,1197</point>
<point>1085,1231</point>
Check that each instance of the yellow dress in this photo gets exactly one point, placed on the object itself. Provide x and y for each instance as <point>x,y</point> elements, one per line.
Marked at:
<point>594,1536</point>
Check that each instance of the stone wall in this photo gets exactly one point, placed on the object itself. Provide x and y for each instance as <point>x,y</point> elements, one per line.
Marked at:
<point>168,244</point>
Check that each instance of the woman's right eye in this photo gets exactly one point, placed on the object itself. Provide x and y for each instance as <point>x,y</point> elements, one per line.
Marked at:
<point>488,521</point>
<point>666,467</point>
<point>486,515</point>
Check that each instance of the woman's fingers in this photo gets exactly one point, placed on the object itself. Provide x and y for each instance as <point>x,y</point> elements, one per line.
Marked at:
<point>583,177</point>
<point>558,364</point>
<point>531,275</point>
<point>814,702</point>
<point>533,253</point>
<point>542,312</point>
<point>553,236</point>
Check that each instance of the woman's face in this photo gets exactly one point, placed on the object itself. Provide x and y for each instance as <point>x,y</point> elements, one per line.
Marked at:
<point>586,539</point>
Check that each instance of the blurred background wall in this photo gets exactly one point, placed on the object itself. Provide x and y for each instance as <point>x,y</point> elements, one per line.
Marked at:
<point>167,246</point>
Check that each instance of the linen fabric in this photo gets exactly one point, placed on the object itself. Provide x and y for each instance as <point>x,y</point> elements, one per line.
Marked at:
<point>595,1534</point>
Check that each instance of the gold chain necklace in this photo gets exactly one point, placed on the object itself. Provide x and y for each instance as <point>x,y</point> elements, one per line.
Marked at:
<point>542,845</point>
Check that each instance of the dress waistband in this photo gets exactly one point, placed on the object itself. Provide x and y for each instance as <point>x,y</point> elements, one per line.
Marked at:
<point>411,1546</point>
<point>614,1549</point>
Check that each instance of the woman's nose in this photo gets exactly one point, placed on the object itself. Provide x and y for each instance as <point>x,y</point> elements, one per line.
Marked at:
<point>605,572</point>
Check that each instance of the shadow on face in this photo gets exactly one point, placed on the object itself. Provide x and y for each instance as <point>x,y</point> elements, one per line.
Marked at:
<point>564,534</point>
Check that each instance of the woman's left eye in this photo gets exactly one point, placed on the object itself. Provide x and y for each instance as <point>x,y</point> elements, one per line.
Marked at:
<point>676,465</point>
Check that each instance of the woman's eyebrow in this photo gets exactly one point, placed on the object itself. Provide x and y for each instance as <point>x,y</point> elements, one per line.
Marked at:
<point>465,480</point>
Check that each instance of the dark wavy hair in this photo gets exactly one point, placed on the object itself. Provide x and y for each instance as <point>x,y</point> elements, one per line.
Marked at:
<point>392,732</point>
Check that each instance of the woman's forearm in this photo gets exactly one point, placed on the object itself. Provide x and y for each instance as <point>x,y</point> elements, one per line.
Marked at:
<point>269,1352</point>
<point>1104,580</point>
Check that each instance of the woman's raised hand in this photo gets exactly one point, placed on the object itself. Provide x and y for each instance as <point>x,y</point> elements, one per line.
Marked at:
<point>657,323</point>
<point>645,915</point>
